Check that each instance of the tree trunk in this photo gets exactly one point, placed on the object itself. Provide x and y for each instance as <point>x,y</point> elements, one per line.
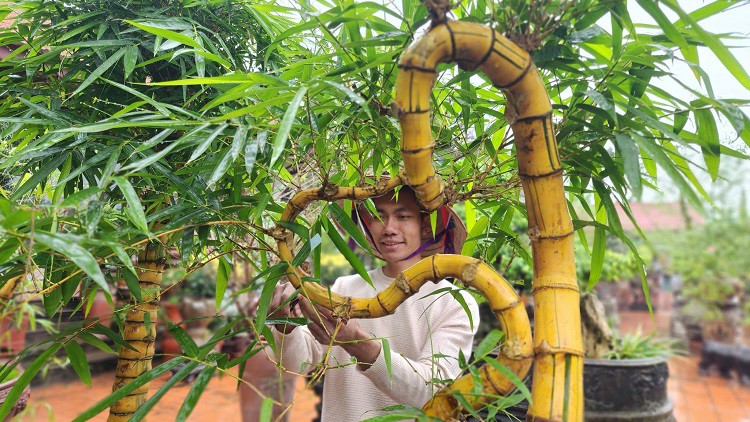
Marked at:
<point>137,333</point>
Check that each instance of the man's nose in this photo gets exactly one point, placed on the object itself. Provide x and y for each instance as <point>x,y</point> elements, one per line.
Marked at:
<point>390,225</point>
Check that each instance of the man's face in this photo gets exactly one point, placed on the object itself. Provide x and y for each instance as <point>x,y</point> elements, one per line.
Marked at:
<point>399,233</point>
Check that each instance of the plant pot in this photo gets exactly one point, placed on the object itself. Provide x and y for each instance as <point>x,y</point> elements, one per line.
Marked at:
<point>626,390</point>
<point>198,310</point>
<point>5,387</point>
<point>12,336</point>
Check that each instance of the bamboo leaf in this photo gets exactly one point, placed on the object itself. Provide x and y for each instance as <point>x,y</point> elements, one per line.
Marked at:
<point>286,125</point>
<point>78,361</point>
<point>629,154</point>
<point>346,222</point>
<point>488,343</point>
<point>199,386</point>
<point>38,177</point>
<point>251,151</point>
<point>709,133</point>
<point>134,209</point>
<point>343,248</point>
<point>131,57</point>
<point>238,142</point>
<point>167,34</point>
<point>305,250</point>
<point>95,341</point>
<point>128,388</point>
<point>142,411</point>
<point>222,279</point>
<point>387,356</point>
<point>68,246</point>
<point>100,70</point>
<point>28,374</point>
<point>272,278</point>
<point>351,94</point>
<point>207,142</point>
<point>266,410</point>
<point>186,342</point>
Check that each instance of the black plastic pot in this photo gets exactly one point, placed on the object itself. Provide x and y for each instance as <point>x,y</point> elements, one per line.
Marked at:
<point>626,390</point>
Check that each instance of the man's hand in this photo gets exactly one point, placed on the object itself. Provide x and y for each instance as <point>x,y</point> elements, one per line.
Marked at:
<point>350,336</point>
<point>281,293</point>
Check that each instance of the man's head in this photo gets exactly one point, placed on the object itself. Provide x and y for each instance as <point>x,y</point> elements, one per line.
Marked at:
<point>399,231</point>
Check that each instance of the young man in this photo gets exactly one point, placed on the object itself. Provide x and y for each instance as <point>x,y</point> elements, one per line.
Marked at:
<point>424,334</point>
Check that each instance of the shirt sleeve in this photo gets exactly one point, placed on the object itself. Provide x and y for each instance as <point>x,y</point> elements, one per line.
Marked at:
<point>297,351</point>
<point>411,382</point>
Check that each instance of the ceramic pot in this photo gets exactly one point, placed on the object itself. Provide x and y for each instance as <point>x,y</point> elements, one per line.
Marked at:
<point>5,387</point>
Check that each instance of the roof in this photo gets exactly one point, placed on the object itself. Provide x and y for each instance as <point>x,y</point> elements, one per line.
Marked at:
<point>659,216</point>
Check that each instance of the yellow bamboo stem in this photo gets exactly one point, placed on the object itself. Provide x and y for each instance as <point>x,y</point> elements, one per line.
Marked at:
<point>557,391</point>
<point>133,363</point>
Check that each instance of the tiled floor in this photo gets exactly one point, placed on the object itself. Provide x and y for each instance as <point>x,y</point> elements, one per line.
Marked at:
<point>697,398</point>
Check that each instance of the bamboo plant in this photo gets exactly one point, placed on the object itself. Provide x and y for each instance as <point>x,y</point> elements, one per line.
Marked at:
<point>557,392</point>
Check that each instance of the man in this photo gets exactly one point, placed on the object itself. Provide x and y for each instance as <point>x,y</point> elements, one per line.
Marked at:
<point>424,334</point>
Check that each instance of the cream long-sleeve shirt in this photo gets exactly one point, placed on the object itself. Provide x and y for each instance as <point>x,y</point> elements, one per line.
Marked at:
<point>425,334</point>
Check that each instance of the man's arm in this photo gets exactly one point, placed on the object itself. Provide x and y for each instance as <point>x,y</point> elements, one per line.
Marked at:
<point>296,345</point>
<point>409,381</point>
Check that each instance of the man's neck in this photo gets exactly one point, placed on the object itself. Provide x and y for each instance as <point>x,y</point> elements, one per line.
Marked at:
<point>392,269</point>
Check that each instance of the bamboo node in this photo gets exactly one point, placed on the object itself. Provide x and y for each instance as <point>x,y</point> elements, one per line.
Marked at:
<point>397,111</point>
<point>403,284</point>
<point>534,233</point>
<point>344,310</point>
<point>543,349</point>
<point>469,272</point>
<point>513,349</point>
<point>279,233</point>
<point>328,191</point>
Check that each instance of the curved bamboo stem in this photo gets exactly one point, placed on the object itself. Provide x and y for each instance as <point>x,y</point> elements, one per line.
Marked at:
<point>557,392</point>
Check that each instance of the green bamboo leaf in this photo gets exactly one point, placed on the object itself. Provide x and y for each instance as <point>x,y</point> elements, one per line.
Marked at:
<point>167,34</point>
<point>266,410</point>
<point>100,70</point>
<point>207,142</point>
<point>272,276</point>
<point>656,153</point>
<point>458,296</point>
<point>78,361</point>
<point>39,176</point>
<point>286,125</point>
<point>68,246</point>
<point>128,388</point>
<point>351,94</point>
<point>387,356</point>
<point>186,342</point>
<point>520,385</point>
<point>232,78</point>
<point>714,43</point>
<point>343,248</point>
<point>674,34</point>
<point>597,257</point>
<point>131,57</point>
<point>629,154</point>
<point>142,411</point>
<point>28,374</point>
<point>134,209</point>
<point>301,231</point>
<point>95,341</point>
<point>131,280</point>
<point>346,222</point>
<point>186,244</point>
<point>78,197</point>
<point>488,343</point>
<point>709,134</point>
<point>305,250</point>
<point>199,385</point>
<point>222,279</point>
<point>238,142</point>
<point>251,151</point>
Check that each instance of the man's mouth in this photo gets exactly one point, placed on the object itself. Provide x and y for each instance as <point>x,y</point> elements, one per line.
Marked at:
<point>391,244</point>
